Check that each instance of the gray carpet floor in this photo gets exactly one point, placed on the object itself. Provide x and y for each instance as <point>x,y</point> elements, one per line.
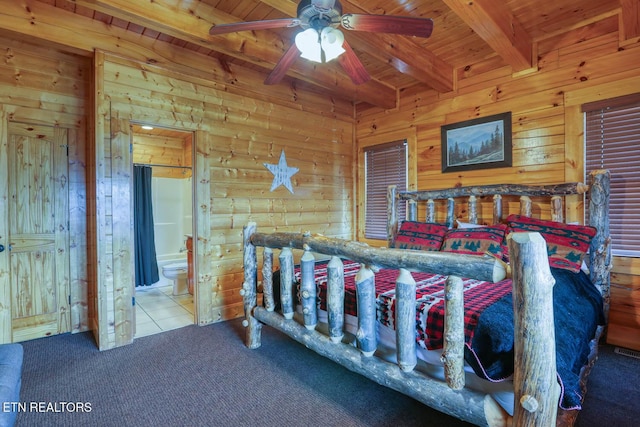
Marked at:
<point>204,376</point>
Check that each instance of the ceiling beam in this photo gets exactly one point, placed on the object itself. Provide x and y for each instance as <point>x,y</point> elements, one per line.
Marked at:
<point>630,19</point>
<point>263,48</point>
<point>399,52</point>
<point>497,26</point>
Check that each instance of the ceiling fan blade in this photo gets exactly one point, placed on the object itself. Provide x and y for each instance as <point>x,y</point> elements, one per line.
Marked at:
<point>405,25</point>
<point>267,24</point>
<point>353,66</point>
<point>283,65</point>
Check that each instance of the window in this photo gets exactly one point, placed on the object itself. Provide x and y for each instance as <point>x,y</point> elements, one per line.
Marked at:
<point>612,135</point>
<point>385,164</point>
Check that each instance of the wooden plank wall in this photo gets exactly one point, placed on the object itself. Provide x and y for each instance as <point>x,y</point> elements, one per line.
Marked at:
<point>587,64</point>
<point>39,85</point>
<point>236,133</point>
<point>164,150</point>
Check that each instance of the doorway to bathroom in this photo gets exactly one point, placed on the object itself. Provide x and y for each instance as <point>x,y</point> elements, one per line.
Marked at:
<point>163,216</point>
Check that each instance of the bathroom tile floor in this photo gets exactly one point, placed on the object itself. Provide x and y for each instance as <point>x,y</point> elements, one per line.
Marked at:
<point>158,310</point>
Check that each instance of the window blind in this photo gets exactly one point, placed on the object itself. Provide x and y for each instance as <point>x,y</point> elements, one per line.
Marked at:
<point>385,165</point>
<point>612,134</point>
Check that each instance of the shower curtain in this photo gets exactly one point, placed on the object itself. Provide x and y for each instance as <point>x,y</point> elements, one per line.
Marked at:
<point>145,246</point>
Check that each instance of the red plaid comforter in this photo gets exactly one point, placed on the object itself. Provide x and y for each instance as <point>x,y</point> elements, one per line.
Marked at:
<point>478,296</point>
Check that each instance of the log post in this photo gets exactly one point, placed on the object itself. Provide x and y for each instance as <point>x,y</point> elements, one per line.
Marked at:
<point>450,209</point>
<point>431,211</point>
<point>286,282</point>
<point>473,209</point>
<point>412,211</point>
<point>392,215</point>
<point>267,279</point>
<point>557,208</point>
<point>600,250</point>
<point>535,380</point>
<point>453,352</point>
<point>308,291</point>
<point>406,320</point>
<point>497,209</point>
<point>249,288</point>
<point>525,206</point>
<point>366,301</point>
<point>335,299</point>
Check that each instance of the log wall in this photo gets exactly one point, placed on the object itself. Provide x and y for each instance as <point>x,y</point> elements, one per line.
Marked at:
<point>590,63</point>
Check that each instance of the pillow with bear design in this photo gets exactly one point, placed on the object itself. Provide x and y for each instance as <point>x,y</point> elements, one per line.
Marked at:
<point>567,244</point>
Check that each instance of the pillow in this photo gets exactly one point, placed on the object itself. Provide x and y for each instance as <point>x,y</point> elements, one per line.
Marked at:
<point>476,240</point>
<point>566,244</point>
<point>424,236</point>
<point>467,224</point>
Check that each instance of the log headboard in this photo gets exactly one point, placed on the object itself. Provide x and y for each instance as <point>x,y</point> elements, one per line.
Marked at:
<point>597,192</point>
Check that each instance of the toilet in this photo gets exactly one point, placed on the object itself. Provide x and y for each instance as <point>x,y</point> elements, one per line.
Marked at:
<point>178,273</point>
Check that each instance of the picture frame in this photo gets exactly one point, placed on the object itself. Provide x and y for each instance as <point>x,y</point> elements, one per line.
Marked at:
<point>482,143</point>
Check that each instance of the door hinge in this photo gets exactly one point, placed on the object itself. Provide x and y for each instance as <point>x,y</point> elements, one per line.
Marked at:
<point>133,301</point>
<point>66,146</point>
<point>69,299</point>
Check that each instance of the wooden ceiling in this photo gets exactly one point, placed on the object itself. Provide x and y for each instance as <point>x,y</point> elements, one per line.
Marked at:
<point>482,34</point>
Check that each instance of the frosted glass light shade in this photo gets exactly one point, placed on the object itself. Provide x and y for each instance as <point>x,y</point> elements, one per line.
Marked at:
<point>309,46</point>
<point>332,41</point>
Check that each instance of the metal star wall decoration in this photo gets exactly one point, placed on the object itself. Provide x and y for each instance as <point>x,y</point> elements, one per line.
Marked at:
<point>281,173</point>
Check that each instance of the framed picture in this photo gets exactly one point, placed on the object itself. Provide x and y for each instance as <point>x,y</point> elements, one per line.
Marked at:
<point>482,143</point>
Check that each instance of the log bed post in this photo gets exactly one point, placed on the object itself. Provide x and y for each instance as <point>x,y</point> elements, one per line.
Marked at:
<point>431,211</point>
<point>406,320</point>
<point>497,209</point>
<point>557,209</point>
<point>392,215</point>
<point>473,209</point>
<point>335,299</point>
<point>267,279</point>
<point>366,302</point>
<point>249,290</point>
<point>600,250</point>
<point>450,209</point>
<point>412,210</point>
<point>453,351</point>
<point>535,380</point>
<point>308,290</point>
<point>525,206</point>
<point>286,282</point>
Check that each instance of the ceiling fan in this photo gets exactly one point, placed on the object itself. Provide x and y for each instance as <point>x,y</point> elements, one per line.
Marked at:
<point>322,41</point>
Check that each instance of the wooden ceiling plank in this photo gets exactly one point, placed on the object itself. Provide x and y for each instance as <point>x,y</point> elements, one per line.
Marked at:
<point>630,19</point>
<point>497,26</point>
<point>260,48</point>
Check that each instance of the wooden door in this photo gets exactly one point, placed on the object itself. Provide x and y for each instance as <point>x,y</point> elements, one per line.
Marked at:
<point>38,211</point>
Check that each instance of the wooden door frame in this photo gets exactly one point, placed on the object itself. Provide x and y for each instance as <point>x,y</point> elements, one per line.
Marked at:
<point>5,284</point>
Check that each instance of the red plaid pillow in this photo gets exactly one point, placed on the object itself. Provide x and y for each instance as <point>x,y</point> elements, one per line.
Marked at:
<point>475,241</point>
<point>566,244</point>
<point>423,236</point>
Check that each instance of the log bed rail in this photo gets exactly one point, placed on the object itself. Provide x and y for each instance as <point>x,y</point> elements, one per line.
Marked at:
<point>535,381</point>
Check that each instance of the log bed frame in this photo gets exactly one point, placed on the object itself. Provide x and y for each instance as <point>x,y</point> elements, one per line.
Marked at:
<point>535,383</point>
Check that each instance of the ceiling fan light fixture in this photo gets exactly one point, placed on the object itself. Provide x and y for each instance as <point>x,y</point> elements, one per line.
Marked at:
<point>332,41</point>
<point>308,44</point>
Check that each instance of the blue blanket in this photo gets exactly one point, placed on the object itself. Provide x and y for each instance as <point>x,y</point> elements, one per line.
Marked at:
<point>577,313</point>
